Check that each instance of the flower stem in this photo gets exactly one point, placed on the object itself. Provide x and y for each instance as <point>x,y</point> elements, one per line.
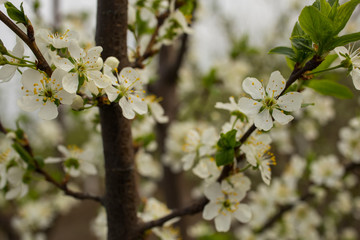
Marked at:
<point>325,70</point>
<point>245,168</point>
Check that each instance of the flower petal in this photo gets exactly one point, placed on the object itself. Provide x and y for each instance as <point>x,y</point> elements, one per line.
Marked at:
<point>254,88</point>
<point>263,120</point>
<point>243,213</point>
<point>213,191</point>
<point>211,210</point>
<point>30,77</point>
<point>7,72</point>
<point>355,74</point>
<point>29,103</point>
<point>249,106</point>
<point>281,117</point>
<point>48,111</point>
<point>276,84</point>
<point>223,222</point>
<point>126,108</point>
<point>139,105</point>
<point>290,101</point>
<point>70,82</point>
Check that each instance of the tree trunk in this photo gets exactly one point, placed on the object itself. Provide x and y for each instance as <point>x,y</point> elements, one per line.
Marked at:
<point>121,197</point>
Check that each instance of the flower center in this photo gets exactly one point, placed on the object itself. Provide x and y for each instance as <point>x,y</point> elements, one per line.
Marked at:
<point>269,102</point>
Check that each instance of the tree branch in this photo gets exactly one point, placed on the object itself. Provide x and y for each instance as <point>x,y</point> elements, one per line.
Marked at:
<point>200,204</point>
<point>62,186</point>
<point>29,40</point>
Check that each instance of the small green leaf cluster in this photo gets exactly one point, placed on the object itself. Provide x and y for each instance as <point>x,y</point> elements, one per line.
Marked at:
<point>226,148</point>
<point>15,14</point>
<point>316,32</point>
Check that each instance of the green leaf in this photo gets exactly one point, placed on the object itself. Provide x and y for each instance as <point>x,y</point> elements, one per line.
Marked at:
<point>345,39</point>
<point>316,25</point>
<point>15,14</point>
<point>332,2</point>
<point>343,14</point>
<point>330,88</point>
<point>284,51</point>
<point>334,9</point>
<point>325,7</point>
<point>227,140</point>
<point>23,153</point>
<point>297,30</point>
<point>224,157</point>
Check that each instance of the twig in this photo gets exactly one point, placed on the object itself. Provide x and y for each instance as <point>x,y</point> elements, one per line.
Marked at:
<point>29,40</point>
<point>200,204</point>
<point>62,186</point>
<point>194,208</point>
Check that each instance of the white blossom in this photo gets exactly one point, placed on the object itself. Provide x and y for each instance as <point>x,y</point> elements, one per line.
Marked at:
<point>266,105</point>
<point>225,202</point>
<point>75,160</point>
<point>127,87</point>
<point>43,93</point>
<point>327,170</point>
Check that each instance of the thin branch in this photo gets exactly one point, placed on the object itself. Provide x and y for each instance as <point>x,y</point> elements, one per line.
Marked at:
<point>66,190</point>
<point>200,204</point>
<point>62,186</point>
<point>29,40</point>
<point>194,208</point>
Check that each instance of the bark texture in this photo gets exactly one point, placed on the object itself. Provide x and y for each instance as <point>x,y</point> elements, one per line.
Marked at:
<point>121,196</point>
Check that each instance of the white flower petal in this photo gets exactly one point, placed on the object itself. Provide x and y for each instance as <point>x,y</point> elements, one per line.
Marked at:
<point>88,168</point>
<point>31,77</point>
<point>138,105</point>
<point>213,191</point>
<point>188,161</point>
<point>342,50</point>
<point>249,106</point>
<point>63,63</point>
<point>48,111</point>
<point>70,82</point>
<point>281,117</point>
<point>223,222</point>
<point>355,74</point>
<point>276,84</point>
<point>112,93</point>
<point>66,98</point>
<point>126,108</point>
<point>7,72</point>
<point>254,88</point>
<point>29,103</point>
<point>243,213</point>
<point>290,101</point>
<point>50,160</point>
<point>128,75</point>
<point>211,210</point>
<point>263,120</point>
<point>74,49</point>
<point>13,193</point>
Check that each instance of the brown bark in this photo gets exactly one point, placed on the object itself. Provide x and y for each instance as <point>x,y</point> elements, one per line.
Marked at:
<point>121,194</point>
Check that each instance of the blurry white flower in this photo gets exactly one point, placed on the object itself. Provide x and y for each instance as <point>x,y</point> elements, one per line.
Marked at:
<point>18,188</point>
<point>207,169</point>
<point>256,149</point>
<point>44,93</point>
<point>99,225</point>
<point>283,192</point>
<point>157,111</point>
<point>198,144</point>
<point>45,38</point>
<point>147,166</point>
<point>75,160</point>
<point>264,106</point>
<point>349,143</point>
<point>327,170</point>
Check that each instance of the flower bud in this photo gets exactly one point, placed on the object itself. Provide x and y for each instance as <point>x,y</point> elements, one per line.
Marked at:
<point>78,103</point>
<point>3,60</point>
<point>3,49</point>
<point>112,62</point>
